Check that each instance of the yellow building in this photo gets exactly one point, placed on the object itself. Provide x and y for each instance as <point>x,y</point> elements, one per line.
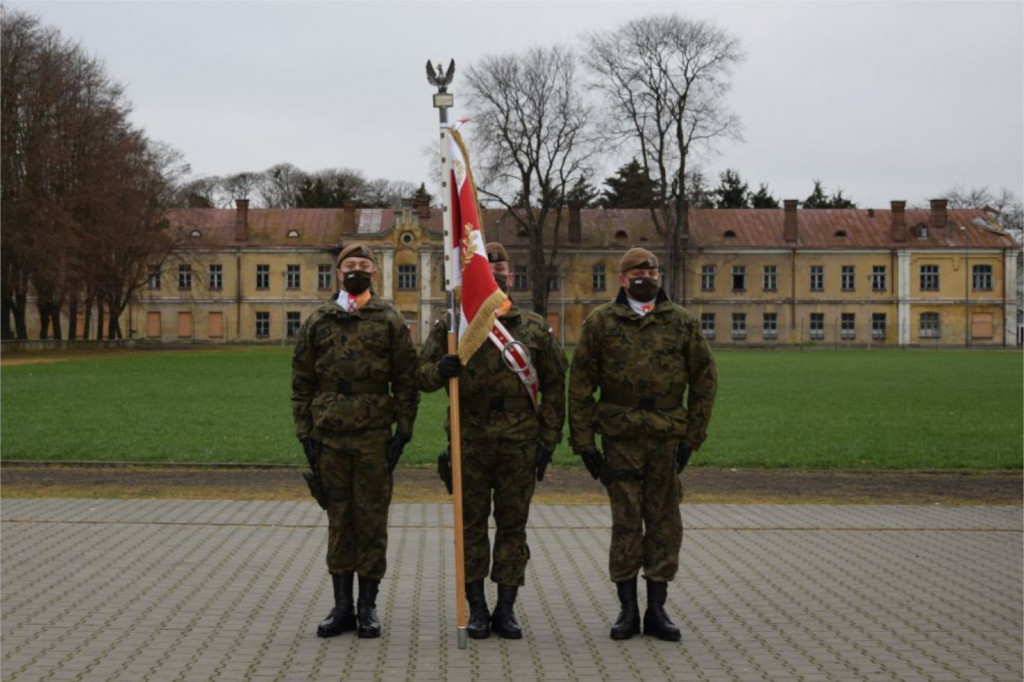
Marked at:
<point>754,277</point>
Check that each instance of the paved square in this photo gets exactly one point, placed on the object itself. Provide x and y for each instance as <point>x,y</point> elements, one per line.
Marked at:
<point>177,590</point>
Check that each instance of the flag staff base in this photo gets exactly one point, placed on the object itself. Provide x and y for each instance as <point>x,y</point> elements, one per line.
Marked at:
<point>463,637</point>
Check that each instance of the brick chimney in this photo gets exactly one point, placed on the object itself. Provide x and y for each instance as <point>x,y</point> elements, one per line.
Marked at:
<point>899,221</point>
<point>789,229</point>
<point>938,220</point>
<point>575,229</point>
<point>423,209</point>
<point>348,224</point>
<point>241,220</point>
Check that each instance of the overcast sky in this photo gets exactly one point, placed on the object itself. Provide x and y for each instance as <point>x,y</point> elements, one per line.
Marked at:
<point>884,100</point>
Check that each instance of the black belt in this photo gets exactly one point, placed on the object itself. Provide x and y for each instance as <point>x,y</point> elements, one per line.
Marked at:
<point>496,403</point>
<point>351,387</point>
<point>643,403</point>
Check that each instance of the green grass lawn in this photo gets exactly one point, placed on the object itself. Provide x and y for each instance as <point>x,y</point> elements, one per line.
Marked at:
<point>815,409</point>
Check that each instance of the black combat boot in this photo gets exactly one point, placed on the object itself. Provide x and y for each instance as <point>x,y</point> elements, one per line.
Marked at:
<point>479,626</point>
<point>343,616</point>
<point>628,622</point>
<point>656,621</point>
<point>503,620</point>
<point>369,624</point>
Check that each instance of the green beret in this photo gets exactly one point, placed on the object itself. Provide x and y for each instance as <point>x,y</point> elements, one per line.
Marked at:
<point>356,251</point>
<point>496,253</point>
<point>637,258</point>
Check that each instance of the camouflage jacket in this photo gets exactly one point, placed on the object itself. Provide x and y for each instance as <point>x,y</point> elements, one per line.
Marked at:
<point>353,372</point>
<point>642,366</point>
<point>486,379</point>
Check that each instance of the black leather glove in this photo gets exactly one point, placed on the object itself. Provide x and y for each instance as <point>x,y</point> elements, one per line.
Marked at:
<point>449,366</point>
<point>543,459</point>
<point>593,460</point>
<point>444,469</point>
<point>313,450</point>
<point>395,447</point>
<point>683,456</point>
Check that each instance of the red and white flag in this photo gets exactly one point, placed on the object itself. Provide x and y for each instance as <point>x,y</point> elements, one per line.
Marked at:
<point>481,300</point>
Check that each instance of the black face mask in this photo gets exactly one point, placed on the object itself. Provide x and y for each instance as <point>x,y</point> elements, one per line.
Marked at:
<point>502,282</point>
<point>356,281</point>
<point>643,288</point>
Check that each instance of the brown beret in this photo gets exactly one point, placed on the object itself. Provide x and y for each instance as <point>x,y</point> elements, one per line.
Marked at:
<point>637,258</point>
<point>496,253</point>
<point>356,251</point>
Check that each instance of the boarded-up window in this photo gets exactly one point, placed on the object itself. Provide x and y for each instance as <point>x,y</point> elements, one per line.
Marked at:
<point>216,325</point>
<point>153,325</point>
<point>981,326</point>
<point>184,325</point>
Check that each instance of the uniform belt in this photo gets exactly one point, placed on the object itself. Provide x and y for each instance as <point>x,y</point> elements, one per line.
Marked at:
<point>496,403</point>
<point>350,387</point>
<point>663,403</point>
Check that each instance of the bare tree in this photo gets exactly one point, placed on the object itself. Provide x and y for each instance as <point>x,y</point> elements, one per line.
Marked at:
<point>280,186</point>
<point>664,79</point>
<point>531,144</point>
<point>1005,203</point>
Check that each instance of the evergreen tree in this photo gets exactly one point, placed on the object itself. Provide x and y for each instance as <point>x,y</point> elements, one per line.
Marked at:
<point>697,192</point>
<point>818,199</point>
<point>731,191</point>
<point>583,193</point>
<point>630,187</point>
<point>421,195</point>
<point>762,198</point>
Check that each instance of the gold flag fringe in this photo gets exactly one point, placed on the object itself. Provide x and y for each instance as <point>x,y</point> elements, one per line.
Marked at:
<point>481,325</point>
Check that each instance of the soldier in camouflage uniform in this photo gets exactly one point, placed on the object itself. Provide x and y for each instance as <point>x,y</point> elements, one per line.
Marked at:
<point>506,447</point>
<point>353,377</point>
<point>643,352</point>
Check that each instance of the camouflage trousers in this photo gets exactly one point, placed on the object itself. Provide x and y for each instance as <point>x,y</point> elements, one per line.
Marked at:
<point>508,469</point>
<point>647,527</point>
<point>355,476</point>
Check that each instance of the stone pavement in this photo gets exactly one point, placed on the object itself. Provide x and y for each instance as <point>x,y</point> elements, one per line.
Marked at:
<point>224,590</point>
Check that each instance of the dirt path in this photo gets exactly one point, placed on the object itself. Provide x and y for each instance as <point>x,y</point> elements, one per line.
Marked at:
<point>560,486</point>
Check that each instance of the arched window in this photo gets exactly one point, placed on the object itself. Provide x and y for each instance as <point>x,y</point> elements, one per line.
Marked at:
<point>293,233</point>
<point>729,234</point>
<point>195,233</point>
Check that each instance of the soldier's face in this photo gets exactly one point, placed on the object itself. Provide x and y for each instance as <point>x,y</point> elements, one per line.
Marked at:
<point>502,268</point>
<point>650,273</point>
<point>353,264</point>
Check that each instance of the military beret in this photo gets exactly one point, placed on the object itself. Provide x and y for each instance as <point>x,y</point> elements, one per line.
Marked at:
<point>496,253</point>
<point>356,251</point>
<point>637,258</point>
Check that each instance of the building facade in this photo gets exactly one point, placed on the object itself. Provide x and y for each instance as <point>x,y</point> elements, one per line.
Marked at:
<point>893,277</point>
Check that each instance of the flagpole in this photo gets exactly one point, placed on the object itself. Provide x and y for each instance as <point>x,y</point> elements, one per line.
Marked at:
<point>443,101</point>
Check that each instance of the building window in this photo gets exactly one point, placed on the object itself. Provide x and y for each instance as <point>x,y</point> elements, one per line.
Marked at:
<point>929,325</point>
<point>739,325</point>
<point>878,278</point>
<point>848,277</point>
<point>184,276</point>
<point>771,325</point>
<point>293,276</point>
<point>707,278</point>
<point>878,325</point>
<point>848,326</point>
<point>216,277</point>
<point>929,278</point>
<point>406,277</point>
<point>982,277</point>
<point>262,325</point>
<point>739,277</point>
<point>707,325</point>
<point>293,324</point>
<point>324,278</point>
<point>817,325</point>
<point>154,276</point>
<point>520,278</point>
<point>598,278</point>
<point>817,278</point>
<point>262,276</point>
<point>771,278</point>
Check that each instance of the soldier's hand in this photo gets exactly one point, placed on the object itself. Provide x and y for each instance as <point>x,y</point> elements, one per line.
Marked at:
<point>395,447</point>
<point>593,460</point>
<point>449,366</point>
<point>313,449</point>
<point>543,459</point>
<point>444,469</point>
<point>683,453</point>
